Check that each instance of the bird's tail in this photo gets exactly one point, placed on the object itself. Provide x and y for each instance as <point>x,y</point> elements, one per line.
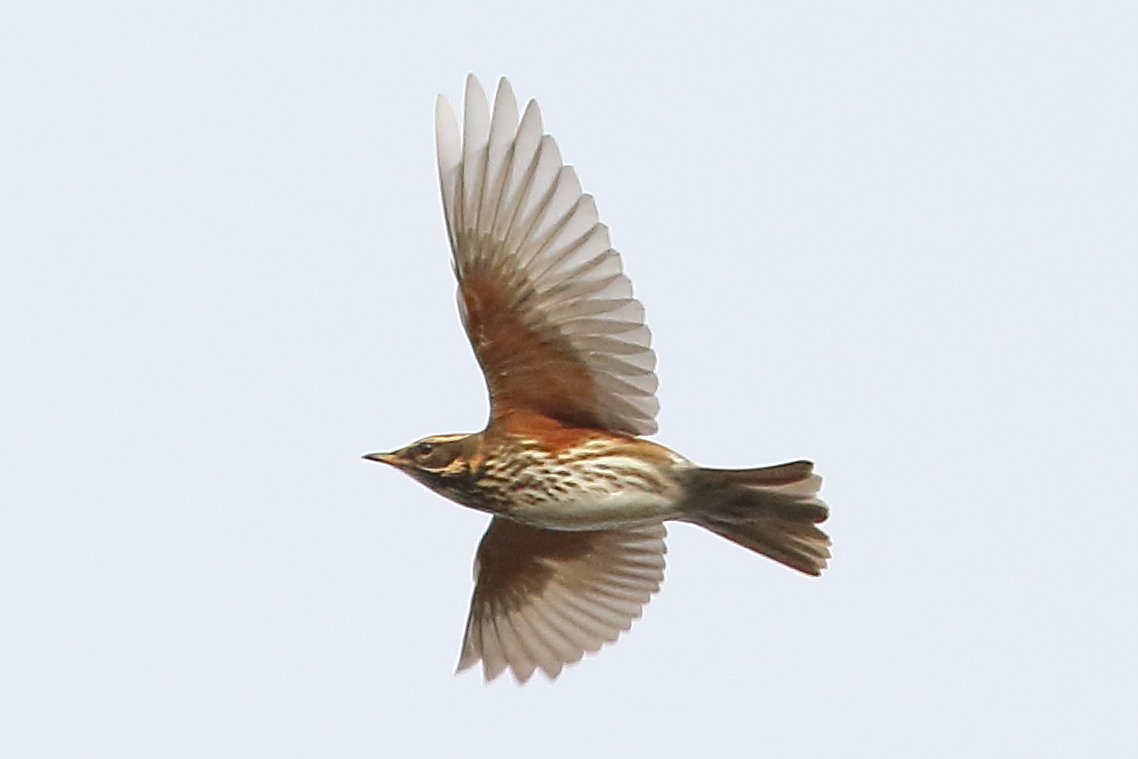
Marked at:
<point>773,510</point>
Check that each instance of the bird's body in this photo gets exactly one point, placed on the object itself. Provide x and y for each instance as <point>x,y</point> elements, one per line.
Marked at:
<point>556,478</point>
<point>576,546</point>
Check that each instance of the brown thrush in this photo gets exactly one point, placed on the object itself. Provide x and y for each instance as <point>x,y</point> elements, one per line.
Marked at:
<point>576,546</point>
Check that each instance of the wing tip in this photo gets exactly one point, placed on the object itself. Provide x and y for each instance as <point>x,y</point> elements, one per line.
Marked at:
<point>447,139</point>
<point>473,87</point>
<point>467,660</point>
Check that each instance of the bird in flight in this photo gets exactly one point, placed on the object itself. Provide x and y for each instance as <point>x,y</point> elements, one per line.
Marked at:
<point>575,548</point>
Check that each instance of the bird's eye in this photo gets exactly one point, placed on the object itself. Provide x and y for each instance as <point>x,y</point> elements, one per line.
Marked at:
<point>424,449</point>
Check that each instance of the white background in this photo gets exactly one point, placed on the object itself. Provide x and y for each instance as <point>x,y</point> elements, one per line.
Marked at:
<point>899,239</point>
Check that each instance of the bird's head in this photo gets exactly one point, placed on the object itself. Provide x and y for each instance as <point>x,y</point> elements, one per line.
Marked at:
<point>441,462</point>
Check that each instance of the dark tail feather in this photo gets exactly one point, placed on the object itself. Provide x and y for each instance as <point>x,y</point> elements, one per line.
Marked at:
<point>772,510</point>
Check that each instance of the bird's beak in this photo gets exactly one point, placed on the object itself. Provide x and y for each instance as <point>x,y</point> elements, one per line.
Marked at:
<point>386,458</point>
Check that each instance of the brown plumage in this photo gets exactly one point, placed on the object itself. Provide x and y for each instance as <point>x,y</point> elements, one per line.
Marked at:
<point>576,546</point>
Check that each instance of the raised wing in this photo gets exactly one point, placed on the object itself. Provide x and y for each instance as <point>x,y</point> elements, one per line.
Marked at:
<point>543,598</point>
<point>542,295</point>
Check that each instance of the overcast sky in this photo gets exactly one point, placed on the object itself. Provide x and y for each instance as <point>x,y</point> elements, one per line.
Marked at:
<point>899,240</point>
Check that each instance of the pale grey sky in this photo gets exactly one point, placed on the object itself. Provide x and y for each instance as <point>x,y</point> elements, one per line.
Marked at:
<point>899,240</point>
